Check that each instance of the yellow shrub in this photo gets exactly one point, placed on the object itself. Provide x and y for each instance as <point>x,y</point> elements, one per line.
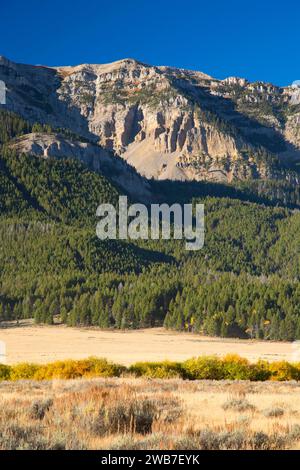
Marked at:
<point>70,369</point>
<point>24,370</point>
<point>158,370</point>
<point>232,367</point>
<point>205,367</point>
<point>103,368</point>
<point>283,370</point>
<point>236,367</point>
<point>236,359</point>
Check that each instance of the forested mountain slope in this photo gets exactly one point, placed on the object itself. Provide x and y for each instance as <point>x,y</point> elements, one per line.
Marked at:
<point>245,282</point>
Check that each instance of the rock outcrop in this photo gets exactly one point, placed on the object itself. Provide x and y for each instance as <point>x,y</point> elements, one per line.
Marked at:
<point>166,122</point>
<point>92,155</point>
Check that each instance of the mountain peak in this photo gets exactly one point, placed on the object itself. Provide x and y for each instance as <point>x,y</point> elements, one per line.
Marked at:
<point>130,61</point>
<point>167,122</point>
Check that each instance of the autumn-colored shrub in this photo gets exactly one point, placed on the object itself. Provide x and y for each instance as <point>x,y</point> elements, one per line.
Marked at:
<point>259,371</point>
<point>236,367</point>
<point>283,370</point>
<point>104,368</point>
<point>69,369</point>
<point>23,371</point>
<point>230,367</point>
<point>157,370</point>
<point>204,367</point>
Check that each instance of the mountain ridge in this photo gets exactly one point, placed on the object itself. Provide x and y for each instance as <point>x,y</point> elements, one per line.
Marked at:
<point>60,161</point>
<point>168,123</point>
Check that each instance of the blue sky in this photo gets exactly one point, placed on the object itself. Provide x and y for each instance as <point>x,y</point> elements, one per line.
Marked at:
<point>259,40</point>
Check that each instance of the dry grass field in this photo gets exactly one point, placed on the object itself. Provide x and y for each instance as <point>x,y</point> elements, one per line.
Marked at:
<point>143,413</point>
<point>30,343</point>
<point>127,413</point>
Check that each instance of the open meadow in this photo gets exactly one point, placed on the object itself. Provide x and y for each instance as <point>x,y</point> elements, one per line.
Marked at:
<point>124,413</point>
<point>129,404</point>
<point>31,343</point>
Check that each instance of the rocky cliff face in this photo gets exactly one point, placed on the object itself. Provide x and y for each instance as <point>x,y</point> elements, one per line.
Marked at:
<point>92,155</point>
<point>166,122</point>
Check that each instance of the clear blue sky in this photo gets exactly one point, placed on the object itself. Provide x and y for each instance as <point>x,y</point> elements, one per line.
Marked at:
<point>259,39</point>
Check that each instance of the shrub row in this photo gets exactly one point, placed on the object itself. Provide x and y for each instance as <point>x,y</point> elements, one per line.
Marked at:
<point>69,369</point>
<point>230,367</point>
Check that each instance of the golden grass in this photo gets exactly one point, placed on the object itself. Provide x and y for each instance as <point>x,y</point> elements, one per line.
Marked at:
<point>42,344</point>
<point>127,413</point>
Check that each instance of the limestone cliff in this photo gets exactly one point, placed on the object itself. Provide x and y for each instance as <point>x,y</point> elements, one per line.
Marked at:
<point>166,122</point>
<point>92,155</point>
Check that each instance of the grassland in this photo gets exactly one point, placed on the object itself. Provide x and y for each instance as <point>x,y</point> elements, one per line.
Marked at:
<point>121,410</point>
<point>42,344</point>
<point>128,407</point>
<point>125,413</point>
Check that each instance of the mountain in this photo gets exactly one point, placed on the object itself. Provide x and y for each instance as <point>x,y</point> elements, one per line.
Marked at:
<point>74,137</point>
<point>166,122</point>
<point>52,145</point>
